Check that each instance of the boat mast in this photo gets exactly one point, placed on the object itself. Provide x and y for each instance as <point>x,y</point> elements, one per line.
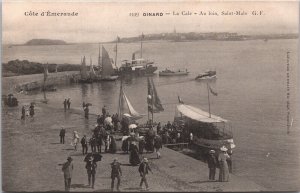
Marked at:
<point>116,51</point>
<point>120,112</point>
<point>152,101</point>
<point>142,45</point>
<point>208,100</point>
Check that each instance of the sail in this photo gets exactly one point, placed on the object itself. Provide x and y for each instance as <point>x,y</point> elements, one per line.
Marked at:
<point>83,72</point>
<point>99,61</point>
<point>107,68</point>
<point>132,113</point>
<point>154,104</point>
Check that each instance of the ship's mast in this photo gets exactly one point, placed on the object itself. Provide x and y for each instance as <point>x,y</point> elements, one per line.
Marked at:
<point>116,52</point>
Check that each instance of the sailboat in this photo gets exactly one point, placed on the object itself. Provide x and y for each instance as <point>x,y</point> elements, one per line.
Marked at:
<point>92,72</point>
<point>83,73</point>
<point>154,104</point>
<point>132,113</point>
<point>47,87</point>
<point>107,72</point>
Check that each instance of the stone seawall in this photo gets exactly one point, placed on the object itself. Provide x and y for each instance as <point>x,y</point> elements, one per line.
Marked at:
<point>35,81</point>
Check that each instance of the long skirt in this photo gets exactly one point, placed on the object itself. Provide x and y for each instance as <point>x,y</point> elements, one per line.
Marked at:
<point>125,145</point>
<point>134,158</point>
<point>224,172</point>
<point>113,146</point>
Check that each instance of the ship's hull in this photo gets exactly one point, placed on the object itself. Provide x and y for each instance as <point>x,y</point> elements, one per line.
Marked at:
<point>85,81</point>
<point>173,73</point>
<point>209,144</point>
<point>137,71</point>
<point>206,77</point>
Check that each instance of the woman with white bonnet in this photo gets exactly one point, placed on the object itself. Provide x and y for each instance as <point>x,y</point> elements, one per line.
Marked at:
<point>75,139</point>
<point>224,172</point>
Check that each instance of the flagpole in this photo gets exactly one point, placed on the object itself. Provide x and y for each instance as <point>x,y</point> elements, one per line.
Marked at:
<point>208,100</point>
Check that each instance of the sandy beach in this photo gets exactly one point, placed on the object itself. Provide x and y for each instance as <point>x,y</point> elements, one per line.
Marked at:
<point>32,158</point>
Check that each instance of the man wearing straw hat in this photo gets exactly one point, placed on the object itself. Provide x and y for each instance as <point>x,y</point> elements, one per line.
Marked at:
<point>212,164</point>
<point>68,170</point>
<point>143,170</point>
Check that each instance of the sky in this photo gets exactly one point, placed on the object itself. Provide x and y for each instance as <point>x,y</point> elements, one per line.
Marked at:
<point>99,21</point>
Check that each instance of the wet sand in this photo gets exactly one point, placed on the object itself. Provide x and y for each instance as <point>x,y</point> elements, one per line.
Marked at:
<point>32,158</point>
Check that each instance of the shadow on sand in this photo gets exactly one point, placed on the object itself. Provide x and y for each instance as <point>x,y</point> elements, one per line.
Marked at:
<point>80,186</point>
<point>102,190</point>
<point>136,188</point>
<point>200,182</point>
<point>69,149</point>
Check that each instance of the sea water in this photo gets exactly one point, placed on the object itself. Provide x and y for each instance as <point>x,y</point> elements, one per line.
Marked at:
<point>251,85</point>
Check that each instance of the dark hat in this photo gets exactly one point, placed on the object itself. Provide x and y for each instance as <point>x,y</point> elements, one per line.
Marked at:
<point>69,159</point>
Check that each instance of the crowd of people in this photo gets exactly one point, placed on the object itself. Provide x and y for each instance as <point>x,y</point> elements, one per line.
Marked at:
<point>135,144</point>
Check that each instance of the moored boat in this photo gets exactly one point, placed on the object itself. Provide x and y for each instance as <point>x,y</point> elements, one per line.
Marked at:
<point>137,67</point>
<point>84,78</point>
<point>209,131</point>
<point>168,72</point>
<point>107,71</point>
<point>211,74</point>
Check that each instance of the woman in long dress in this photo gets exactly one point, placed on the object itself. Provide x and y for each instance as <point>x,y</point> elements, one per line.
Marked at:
<point>134,158</point>
<point>224,172</point>
<point>75,139</point>
<point>113,145</point>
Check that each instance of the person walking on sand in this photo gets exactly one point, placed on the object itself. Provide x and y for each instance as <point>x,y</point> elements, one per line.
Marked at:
<point>86,112</point>
<point>143,170</point>
<point>31,110</point>
<point>116,172</point>
<point>75,139</point>
<point>68,170</point>
<point>224,173</point>
<point>91,166</point>
<point>84,144</point>
<point>157,145</point>
<point>212,164</point>
<point>68,103</point>
<point>23,113</point>
<point>65,104</point>
<point>62,134</point>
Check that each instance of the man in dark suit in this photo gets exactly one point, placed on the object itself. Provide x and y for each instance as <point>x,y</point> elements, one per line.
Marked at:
<point>143,170</point>
<point>212,164</point>
<point>68,170</point>
<point>116,172</point>
<point>84,144</point>
<point>91,166</point>
<point>62,135</point>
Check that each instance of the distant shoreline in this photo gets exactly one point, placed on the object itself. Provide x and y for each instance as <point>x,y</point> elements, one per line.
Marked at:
<point>137,39</point>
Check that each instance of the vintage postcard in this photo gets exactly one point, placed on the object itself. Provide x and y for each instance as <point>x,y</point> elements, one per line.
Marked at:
<point>168,96</point>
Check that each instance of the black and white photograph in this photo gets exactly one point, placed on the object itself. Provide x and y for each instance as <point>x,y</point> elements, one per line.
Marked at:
<point>141,96</point>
